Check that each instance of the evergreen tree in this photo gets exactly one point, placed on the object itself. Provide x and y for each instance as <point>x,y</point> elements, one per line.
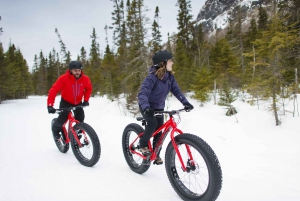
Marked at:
<point>251,34</point>
<point>183,57</point>
<point>83,57</point>
<point>227,96</point>
<point>224,64</point>
<point>42,75</point>
<point>51,70</point>
<point>262,18</point>
<point>120,39</point>
<point>197,46</point>
<point>24,81</point>
<point>203,84</point>
<point>184,22</point>
<point>271,52</point>
<point>15,73</point>
<point>6,80</point>
<point>63,51</point>
<point>156,35</point>
<point>34,75</point>
<point>111,72</point>
<point>239,42</point>
<point>138,61</point>
<point>118,22</point>
<point>93,70</point>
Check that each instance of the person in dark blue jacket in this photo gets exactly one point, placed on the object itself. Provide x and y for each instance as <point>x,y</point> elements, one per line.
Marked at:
<point>152,95</point>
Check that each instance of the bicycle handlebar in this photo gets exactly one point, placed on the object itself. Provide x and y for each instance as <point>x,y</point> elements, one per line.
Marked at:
<point>172,112</point>
<point>69,108</point>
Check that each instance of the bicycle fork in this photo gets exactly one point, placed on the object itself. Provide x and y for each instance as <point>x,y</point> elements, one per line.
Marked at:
<point>71,131</point>
<point>185,168</point>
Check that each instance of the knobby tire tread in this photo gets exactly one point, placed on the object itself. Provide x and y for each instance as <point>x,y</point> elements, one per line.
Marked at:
<point>137,168</point>
<point>212,162</point>
<point>94,140</point>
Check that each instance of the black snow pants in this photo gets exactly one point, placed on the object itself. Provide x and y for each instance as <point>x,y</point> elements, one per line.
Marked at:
<point>153,123</point>
<point>63,116</point>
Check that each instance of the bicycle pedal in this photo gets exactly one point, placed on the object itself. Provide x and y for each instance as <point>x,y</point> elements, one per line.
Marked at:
<point>157,163</point>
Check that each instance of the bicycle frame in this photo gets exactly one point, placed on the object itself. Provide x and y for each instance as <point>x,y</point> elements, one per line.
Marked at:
<point>69,129</point>
<point>168,126</point>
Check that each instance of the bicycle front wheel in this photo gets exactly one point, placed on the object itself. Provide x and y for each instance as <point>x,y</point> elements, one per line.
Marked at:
<point>134,161</point>
<point>203,178</point>
<point>89,154</point>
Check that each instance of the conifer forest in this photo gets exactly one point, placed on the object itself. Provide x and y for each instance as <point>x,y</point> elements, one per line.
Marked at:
<point>262,61</point>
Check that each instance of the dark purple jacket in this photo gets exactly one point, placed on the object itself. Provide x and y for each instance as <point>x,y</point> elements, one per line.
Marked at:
<point>154,91</point>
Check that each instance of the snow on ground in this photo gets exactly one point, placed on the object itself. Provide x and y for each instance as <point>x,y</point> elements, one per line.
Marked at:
<point>259,160</point>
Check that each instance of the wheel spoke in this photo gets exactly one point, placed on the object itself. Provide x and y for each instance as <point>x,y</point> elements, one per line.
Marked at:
<point>89,153</point>
<point>202,177</point>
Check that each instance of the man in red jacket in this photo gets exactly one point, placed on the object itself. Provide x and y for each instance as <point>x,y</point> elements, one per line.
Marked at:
<point>73,87</point>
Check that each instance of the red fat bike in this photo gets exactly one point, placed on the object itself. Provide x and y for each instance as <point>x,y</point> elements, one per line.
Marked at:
<point>84,140</point>
<point>192,166</point>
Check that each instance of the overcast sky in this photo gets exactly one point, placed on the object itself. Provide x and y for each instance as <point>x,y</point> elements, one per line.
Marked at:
<point>30,24</point>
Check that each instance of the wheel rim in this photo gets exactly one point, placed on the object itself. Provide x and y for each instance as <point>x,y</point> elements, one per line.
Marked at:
<point>134,159</point>
<point>85,152</point>
<point>195,181</point>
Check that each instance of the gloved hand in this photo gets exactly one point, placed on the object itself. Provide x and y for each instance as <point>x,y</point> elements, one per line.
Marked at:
<point>51,109</point>
<point>149,112</point>
<point>85,103</point>
<point>188,107</point>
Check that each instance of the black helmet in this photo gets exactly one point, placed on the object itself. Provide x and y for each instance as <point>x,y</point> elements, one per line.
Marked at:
<point>161,56</point>
<point>75,65</point>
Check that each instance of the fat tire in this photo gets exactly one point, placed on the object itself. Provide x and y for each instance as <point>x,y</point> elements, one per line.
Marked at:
<point>208,158</point>
<point>62,147</point>
<point>133,130</point>
<point>94,140</point>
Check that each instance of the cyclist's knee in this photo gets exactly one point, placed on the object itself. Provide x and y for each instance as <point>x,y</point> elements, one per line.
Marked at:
<point>152,123</point>
<point>79,115</point>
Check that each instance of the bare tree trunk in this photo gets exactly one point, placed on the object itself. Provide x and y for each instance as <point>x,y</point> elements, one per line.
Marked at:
<point>111,86</point>
<point>296,81</point>
<point>242,56</point>
<point>275,79</point>
<point>215,92</point>
<point>253,71</point>
<point>295,93</point>
<point>282,95</point>
<point>274,105</point>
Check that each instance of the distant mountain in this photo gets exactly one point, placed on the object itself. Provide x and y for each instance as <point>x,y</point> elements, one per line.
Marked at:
<point>216,14</point>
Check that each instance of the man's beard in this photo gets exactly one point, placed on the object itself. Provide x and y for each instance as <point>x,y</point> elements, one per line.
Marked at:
<point>77,75</point>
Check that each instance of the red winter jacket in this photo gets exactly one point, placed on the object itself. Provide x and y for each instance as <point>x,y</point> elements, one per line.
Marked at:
<point>72,89</point>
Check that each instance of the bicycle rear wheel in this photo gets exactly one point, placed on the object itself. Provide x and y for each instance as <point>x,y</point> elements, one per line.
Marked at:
<point>203,178</point>
<point>135,162</point>
<point>61,144</point>
<point>89,154</point>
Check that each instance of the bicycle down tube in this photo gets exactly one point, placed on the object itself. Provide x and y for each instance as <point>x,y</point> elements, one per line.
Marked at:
<point>71,121</point>
<point>168,126</point>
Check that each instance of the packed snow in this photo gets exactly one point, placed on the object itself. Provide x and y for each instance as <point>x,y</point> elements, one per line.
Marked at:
<point>259,161</point>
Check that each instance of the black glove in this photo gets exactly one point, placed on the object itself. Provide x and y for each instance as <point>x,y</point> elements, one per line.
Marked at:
<point>149,112</point>
<point>85,103</point>
<point>188,107</point>
<point>51,109</point>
